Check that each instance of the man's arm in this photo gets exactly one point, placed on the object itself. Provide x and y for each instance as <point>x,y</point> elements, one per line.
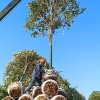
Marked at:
<point>41,70</point>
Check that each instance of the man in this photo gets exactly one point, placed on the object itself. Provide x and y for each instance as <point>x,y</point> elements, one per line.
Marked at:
<point>37,75</point>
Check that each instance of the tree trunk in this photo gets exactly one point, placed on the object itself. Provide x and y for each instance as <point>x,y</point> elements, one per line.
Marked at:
<point>50,42</point>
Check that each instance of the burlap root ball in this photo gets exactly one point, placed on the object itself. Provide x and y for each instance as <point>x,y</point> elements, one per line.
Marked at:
<point>15,89</point>
<point>50,74</point>
<point>58,97</point>
<point>41,97</point>
<point>25,97</point>
<point>36,91</point>
<point>62,92</point>
<point>15,92</point>
<point>50,88</point>
<point>8,98</point>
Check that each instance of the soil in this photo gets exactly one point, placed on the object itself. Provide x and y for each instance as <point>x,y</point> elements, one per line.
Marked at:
<point>15,92</point>
<point>50,89</point>
<point>25,98</point>
<point>7,98</point>
<point>41,98</point>
<point>62,93</point>
<point>59,98</point>
<point>37,92</point>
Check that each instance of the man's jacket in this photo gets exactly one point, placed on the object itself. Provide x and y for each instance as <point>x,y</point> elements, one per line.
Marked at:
<point>38,71</point>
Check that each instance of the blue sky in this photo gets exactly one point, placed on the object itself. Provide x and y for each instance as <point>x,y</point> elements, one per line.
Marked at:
<point>76,52</point>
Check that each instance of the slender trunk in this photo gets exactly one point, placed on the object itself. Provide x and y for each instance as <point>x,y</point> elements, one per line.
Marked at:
<point>50,42</point>
<point>50,34</point>
<point>22,77</point>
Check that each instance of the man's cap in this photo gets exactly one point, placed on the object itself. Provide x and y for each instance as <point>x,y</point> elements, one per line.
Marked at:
<point>42,61</point>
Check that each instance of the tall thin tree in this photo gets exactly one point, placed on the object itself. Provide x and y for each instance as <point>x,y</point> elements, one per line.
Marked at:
<point>49,15</point>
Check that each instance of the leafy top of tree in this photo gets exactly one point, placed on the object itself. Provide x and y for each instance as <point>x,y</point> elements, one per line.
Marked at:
<point>95,95</point>
<point>54,14</point>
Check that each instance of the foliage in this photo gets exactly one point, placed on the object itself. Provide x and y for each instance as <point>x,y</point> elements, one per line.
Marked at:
<point>54,14</point>
<point>16,67</point>
<point>64,84</point>
<point>72,93</point>
<point>3,92</point>
<point>95,95</point>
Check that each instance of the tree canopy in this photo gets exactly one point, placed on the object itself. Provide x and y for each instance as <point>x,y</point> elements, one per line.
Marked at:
<point>95,95</point>
<point>25,59</point>
<point>54,14</point>
<point>3,92</point>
